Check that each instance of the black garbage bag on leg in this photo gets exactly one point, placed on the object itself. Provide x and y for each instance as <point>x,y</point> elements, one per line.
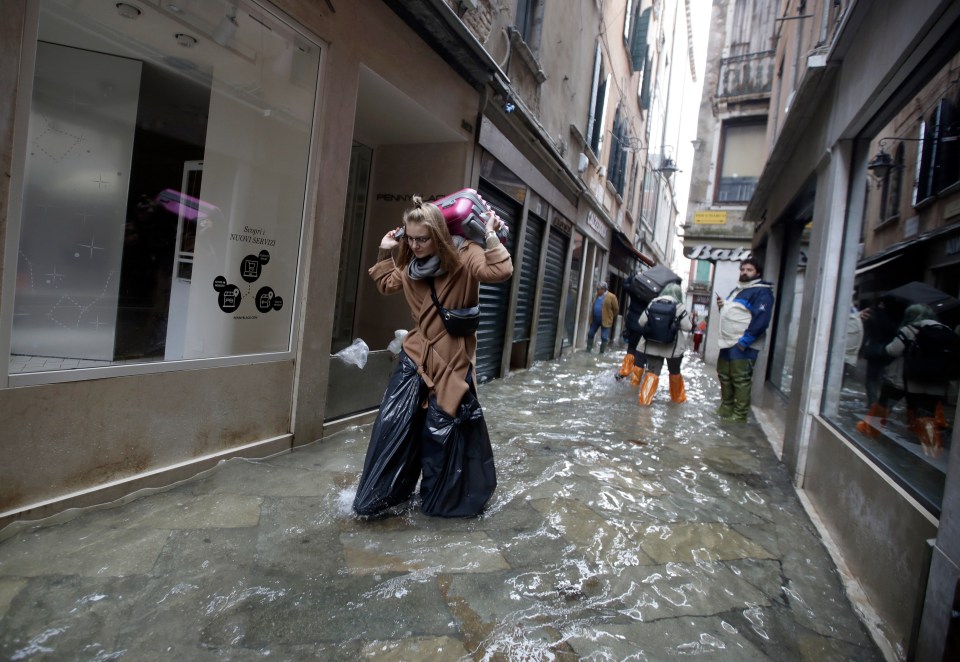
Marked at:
<point>392,466</point>
<point>457,461</point>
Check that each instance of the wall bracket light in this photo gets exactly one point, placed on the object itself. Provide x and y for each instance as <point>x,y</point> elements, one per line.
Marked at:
<point>882,163</point>
<point>667,167</point>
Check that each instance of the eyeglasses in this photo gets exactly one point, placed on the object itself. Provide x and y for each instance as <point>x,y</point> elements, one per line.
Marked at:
<point>419,241</point>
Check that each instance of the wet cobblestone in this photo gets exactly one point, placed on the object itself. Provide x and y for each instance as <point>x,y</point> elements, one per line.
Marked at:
<point>617,532</point>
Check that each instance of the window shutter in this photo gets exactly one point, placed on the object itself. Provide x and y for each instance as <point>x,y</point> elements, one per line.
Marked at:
<point>645,88</point>
<point>604,93</point>
<point>948,166</point>
<point>594,87</point>
<point>638,49</point>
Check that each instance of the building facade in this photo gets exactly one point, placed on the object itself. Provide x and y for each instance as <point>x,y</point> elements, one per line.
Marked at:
<point>729,151</point>
<point>198,188</point>
<point>856,214</point>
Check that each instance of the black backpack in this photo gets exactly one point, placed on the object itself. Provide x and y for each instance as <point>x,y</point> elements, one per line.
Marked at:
<point>662,321</point>
<point>933,356</point>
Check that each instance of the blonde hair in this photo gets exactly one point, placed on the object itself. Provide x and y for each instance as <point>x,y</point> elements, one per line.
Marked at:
<point>429,216</point>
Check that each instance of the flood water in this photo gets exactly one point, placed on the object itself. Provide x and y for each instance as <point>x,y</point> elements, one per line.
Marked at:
<point>617,532</point>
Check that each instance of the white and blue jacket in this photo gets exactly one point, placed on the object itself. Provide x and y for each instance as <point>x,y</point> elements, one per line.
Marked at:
<point>744,319</point>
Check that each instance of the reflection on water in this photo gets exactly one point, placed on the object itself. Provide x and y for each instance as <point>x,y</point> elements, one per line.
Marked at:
<point>620,532</point>
<point>616,533</point>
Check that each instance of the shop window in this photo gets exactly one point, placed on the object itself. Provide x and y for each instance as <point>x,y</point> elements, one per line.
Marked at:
<point>598,104</point>
<point>742,157</point>
<point>790,284</point>
<point>163,185</point>
<point>891,387</point>
<point>351,243</point>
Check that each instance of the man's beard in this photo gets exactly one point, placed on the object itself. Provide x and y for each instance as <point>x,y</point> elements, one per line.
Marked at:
<point>745,278</point>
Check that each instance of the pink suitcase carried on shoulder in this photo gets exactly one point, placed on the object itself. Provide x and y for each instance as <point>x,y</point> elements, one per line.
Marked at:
<point>463,213</point>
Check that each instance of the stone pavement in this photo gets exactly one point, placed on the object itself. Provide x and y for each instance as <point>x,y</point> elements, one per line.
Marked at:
<point>616,532</point>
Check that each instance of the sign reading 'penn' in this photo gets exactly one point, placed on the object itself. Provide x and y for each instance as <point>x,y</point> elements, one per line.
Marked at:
<point>708,252</point>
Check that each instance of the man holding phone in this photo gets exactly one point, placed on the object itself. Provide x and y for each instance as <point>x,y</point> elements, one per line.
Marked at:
<point>744,318</point>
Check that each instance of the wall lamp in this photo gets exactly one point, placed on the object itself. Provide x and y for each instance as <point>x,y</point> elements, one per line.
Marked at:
<point>667,167</point>
<point>882,163</point>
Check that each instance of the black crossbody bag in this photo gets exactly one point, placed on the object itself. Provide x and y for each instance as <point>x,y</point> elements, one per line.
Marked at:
<point>460,321</point>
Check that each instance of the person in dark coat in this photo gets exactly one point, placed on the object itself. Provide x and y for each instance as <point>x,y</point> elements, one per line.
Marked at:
<point>633,361</point>
<point>880,324</point>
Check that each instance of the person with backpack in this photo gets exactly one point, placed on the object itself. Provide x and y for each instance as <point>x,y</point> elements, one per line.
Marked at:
<point>925,357</point>
<point>664,325</point>
<point>744,318</point>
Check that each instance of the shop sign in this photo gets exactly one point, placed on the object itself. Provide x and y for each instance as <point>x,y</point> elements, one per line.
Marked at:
<point>407,197</point>
<point>562,224</point>
<point>594,222</point>
<point>708,252</point>
<point>710,217</point>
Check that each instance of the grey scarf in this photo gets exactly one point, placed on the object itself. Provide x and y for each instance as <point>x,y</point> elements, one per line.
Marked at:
<point>429,267</point>
<point>425,267</point>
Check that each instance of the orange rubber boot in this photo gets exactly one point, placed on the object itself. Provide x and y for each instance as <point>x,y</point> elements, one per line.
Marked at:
<point>648,388</point>
<point>636,376</point>
<point>925,427</point>
<point>867,427</point>
<point>627,366</point>
<point>678,393</point>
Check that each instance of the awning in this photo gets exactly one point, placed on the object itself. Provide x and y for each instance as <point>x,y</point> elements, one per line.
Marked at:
<point>871,267</point>
<point>898,249</point>
<point>621,241</point>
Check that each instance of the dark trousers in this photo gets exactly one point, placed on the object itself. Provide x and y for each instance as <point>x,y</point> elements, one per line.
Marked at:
<point>655,364</point>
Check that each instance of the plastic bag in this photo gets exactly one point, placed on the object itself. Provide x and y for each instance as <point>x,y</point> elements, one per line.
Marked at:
<point>356,353</point>
<point>392,465</point>
<point>459,476</point>
<point>397,343</point>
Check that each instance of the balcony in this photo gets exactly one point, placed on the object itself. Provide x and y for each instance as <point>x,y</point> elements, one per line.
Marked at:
<point>749,75</point>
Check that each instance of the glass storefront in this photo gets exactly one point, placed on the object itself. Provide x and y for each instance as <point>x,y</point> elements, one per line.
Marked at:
<point>164,182</point>
<point>790,284</point>
<point>895,356</point>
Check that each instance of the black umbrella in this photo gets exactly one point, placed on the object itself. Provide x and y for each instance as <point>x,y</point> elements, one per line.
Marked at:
<point>648,284</point>
<point>662,274</point>
<point>917,292</point>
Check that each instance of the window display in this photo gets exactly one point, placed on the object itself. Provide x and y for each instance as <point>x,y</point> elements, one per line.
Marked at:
<point>164,182</point>
<point>894,370</point>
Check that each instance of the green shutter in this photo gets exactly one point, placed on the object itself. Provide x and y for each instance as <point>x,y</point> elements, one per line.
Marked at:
<point>638,48</point>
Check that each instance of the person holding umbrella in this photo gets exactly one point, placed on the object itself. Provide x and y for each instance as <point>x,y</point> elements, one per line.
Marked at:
<point>925,357</point>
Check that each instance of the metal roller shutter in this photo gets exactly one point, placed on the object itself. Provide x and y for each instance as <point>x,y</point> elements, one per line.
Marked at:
<point>495,297</point>
<point>551,297</point>
<point>532,241</point>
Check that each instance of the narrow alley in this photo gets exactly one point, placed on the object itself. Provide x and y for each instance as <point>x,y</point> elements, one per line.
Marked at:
<point>616,533</point>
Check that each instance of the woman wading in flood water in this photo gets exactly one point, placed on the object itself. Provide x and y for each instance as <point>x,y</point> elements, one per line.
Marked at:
<point>430,420</point>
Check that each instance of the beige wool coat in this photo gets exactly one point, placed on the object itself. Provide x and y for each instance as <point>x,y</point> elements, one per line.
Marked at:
<point>443,360</point>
